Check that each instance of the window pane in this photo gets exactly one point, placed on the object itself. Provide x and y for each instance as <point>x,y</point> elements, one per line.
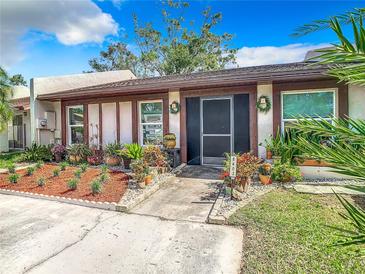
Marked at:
<point>77,135</point>
<point>152,134</point>
<point>151,112</point>
<point>309,104</point>
<point>76,115</point>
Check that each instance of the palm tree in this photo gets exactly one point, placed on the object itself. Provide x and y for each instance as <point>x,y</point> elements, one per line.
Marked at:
<point>6,91</point>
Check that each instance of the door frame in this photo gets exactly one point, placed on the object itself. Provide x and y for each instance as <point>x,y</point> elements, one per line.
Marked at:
<point>231,112</point>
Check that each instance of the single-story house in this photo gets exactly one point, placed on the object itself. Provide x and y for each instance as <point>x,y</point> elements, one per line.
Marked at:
<point>209,112</point>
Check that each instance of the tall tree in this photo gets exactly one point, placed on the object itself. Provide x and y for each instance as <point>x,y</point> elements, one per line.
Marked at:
<point>18,80</point>
<point>179,47</point>
<point>6,91</point>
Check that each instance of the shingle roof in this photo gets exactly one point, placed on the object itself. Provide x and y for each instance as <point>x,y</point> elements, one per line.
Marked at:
<point>234,75</point>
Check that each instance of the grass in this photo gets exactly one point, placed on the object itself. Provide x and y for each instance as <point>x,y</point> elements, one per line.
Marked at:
<point>8,158</point>
<point>287,232</point>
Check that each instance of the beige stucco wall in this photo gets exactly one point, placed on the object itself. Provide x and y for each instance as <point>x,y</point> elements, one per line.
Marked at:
<point>264,120</point>
<point>125,109</point>
<point>357,102</point>
<point>109,123</point>
<point>93,124</point>
<point>174,119</point>
<point>4,142</point>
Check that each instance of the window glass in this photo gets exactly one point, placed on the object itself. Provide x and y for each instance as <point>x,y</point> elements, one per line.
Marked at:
<point>151,112</point>
<point>77,135</point>
<point>151,128</point>
<point>308,104</point>
<point>76,115</point>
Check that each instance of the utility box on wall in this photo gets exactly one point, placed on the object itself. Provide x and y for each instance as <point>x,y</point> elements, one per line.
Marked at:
<point>48,122</point>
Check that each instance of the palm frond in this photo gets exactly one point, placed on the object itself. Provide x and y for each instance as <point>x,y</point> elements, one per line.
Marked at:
<point>318,25</point>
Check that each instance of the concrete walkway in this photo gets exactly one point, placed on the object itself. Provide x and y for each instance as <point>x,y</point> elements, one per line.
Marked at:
<point>183,199</point>
<point>313,189</point>
<point>38,236</point>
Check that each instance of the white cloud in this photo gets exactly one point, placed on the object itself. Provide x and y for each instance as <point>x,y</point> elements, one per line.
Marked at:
<point>253,56</point>
<point>71,22</point>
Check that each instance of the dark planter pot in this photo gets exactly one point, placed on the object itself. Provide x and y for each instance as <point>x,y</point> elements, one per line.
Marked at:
<point>127,163</point>
<point>58,158</point>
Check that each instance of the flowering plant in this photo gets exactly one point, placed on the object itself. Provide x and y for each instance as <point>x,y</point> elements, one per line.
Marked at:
<point>59,149</point>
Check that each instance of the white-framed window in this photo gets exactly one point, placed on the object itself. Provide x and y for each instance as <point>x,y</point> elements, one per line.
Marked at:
<point>75,124</point>
<point>150,122</point>
<point>315,104</point>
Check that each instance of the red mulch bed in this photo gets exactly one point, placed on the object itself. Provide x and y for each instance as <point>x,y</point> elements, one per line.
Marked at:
<point>112,190</point>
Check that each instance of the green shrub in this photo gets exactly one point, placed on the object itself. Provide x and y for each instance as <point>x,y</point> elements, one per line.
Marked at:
<point>95,187</point>
<point>13,178</point>
<point>78,173</point>
<point>112,149</point>
<point>80,150</point>
<point>134,151</point>
<point>56,172</point>
<point>11,168</point>
<point>103,177</point>
<point>63,166</point>
<point>30,170</point>
<point>72,184</point>
<point>39,164</point>
<point>37,153</point>
<point>104,169</point>
<point>286,173</point>
<point>41,181</point>
<point>83,167</point>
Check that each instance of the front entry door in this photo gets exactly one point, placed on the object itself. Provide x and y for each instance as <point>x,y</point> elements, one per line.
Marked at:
<point>216,129</point>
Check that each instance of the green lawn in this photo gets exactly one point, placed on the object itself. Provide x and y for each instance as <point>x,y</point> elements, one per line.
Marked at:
<point>8,158</point>
<point>287,232</point>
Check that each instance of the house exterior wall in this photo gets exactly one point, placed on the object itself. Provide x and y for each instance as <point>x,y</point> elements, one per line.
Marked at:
<point>4,141</point>
<point>93,122</point>
<point>264,120</point>
<point>125,109</point>
<point>109,126</point>
<point>357,102</point>
<point>174,119</point>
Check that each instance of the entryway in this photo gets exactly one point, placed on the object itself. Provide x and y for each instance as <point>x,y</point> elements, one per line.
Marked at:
<point>215,126</point>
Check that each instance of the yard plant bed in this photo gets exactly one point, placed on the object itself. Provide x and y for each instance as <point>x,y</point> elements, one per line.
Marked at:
<point>112,190</point>
<point>287,232</point>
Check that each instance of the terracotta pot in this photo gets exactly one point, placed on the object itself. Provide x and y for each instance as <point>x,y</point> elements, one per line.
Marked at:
<point>265,179</point>
<point>127,163</point>
<point>148,179</point>
<point>75,159</point>
<point>112,160</point>
<point>58,157</point>
<point>170,143</point>
<point>268,154</point>
<point>243,185</point>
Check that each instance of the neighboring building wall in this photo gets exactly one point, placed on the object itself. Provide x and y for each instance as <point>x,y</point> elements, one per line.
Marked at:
<point>174,119</point>
<point>264,120</point>
<point>357,102</point>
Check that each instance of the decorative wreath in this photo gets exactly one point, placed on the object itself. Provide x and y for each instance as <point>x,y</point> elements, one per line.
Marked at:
<point>174,107</point>
<point>263,104</point>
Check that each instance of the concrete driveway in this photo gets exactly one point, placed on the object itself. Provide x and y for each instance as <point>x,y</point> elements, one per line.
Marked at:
<point>183,199</point>
<point>38,236</point>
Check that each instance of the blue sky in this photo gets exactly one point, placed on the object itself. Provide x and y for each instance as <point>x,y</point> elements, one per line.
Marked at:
<point>60,38</point>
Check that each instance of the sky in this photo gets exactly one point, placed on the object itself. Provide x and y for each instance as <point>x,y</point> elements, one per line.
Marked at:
<point>54,37</point>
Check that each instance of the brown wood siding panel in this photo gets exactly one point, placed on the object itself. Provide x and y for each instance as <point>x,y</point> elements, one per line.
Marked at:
<point>219,91</point>
<point>165,115</point>
<point>86,123</point>
<point>134,121</point>
<point>63,123</point>
<point>117,113</point>
<point>314,84</point>
<point>100,126</point>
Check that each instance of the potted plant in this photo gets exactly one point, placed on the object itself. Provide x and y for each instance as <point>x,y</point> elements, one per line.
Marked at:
<point>132,152</point>
<point>169,140</point>
<point>140,173</point>
<point>78,153</point>
<point>265,173</point>
<point>126,157</point>
<point>111,154</point>
<point>59,151</point>
<point>286,173</point>
<point>155,158</point>
<point>96,158</point>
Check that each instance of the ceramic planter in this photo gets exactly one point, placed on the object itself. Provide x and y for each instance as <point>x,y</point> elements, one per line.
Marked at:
<point>58,157</point>
<point>127,163</point>
<point>148,180</point>
<point>112,160</point>
<point>75,159</point>
<point>243,185</point>
<point>268,154</point>
<point>170,143</point>
<point>265,179</point>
